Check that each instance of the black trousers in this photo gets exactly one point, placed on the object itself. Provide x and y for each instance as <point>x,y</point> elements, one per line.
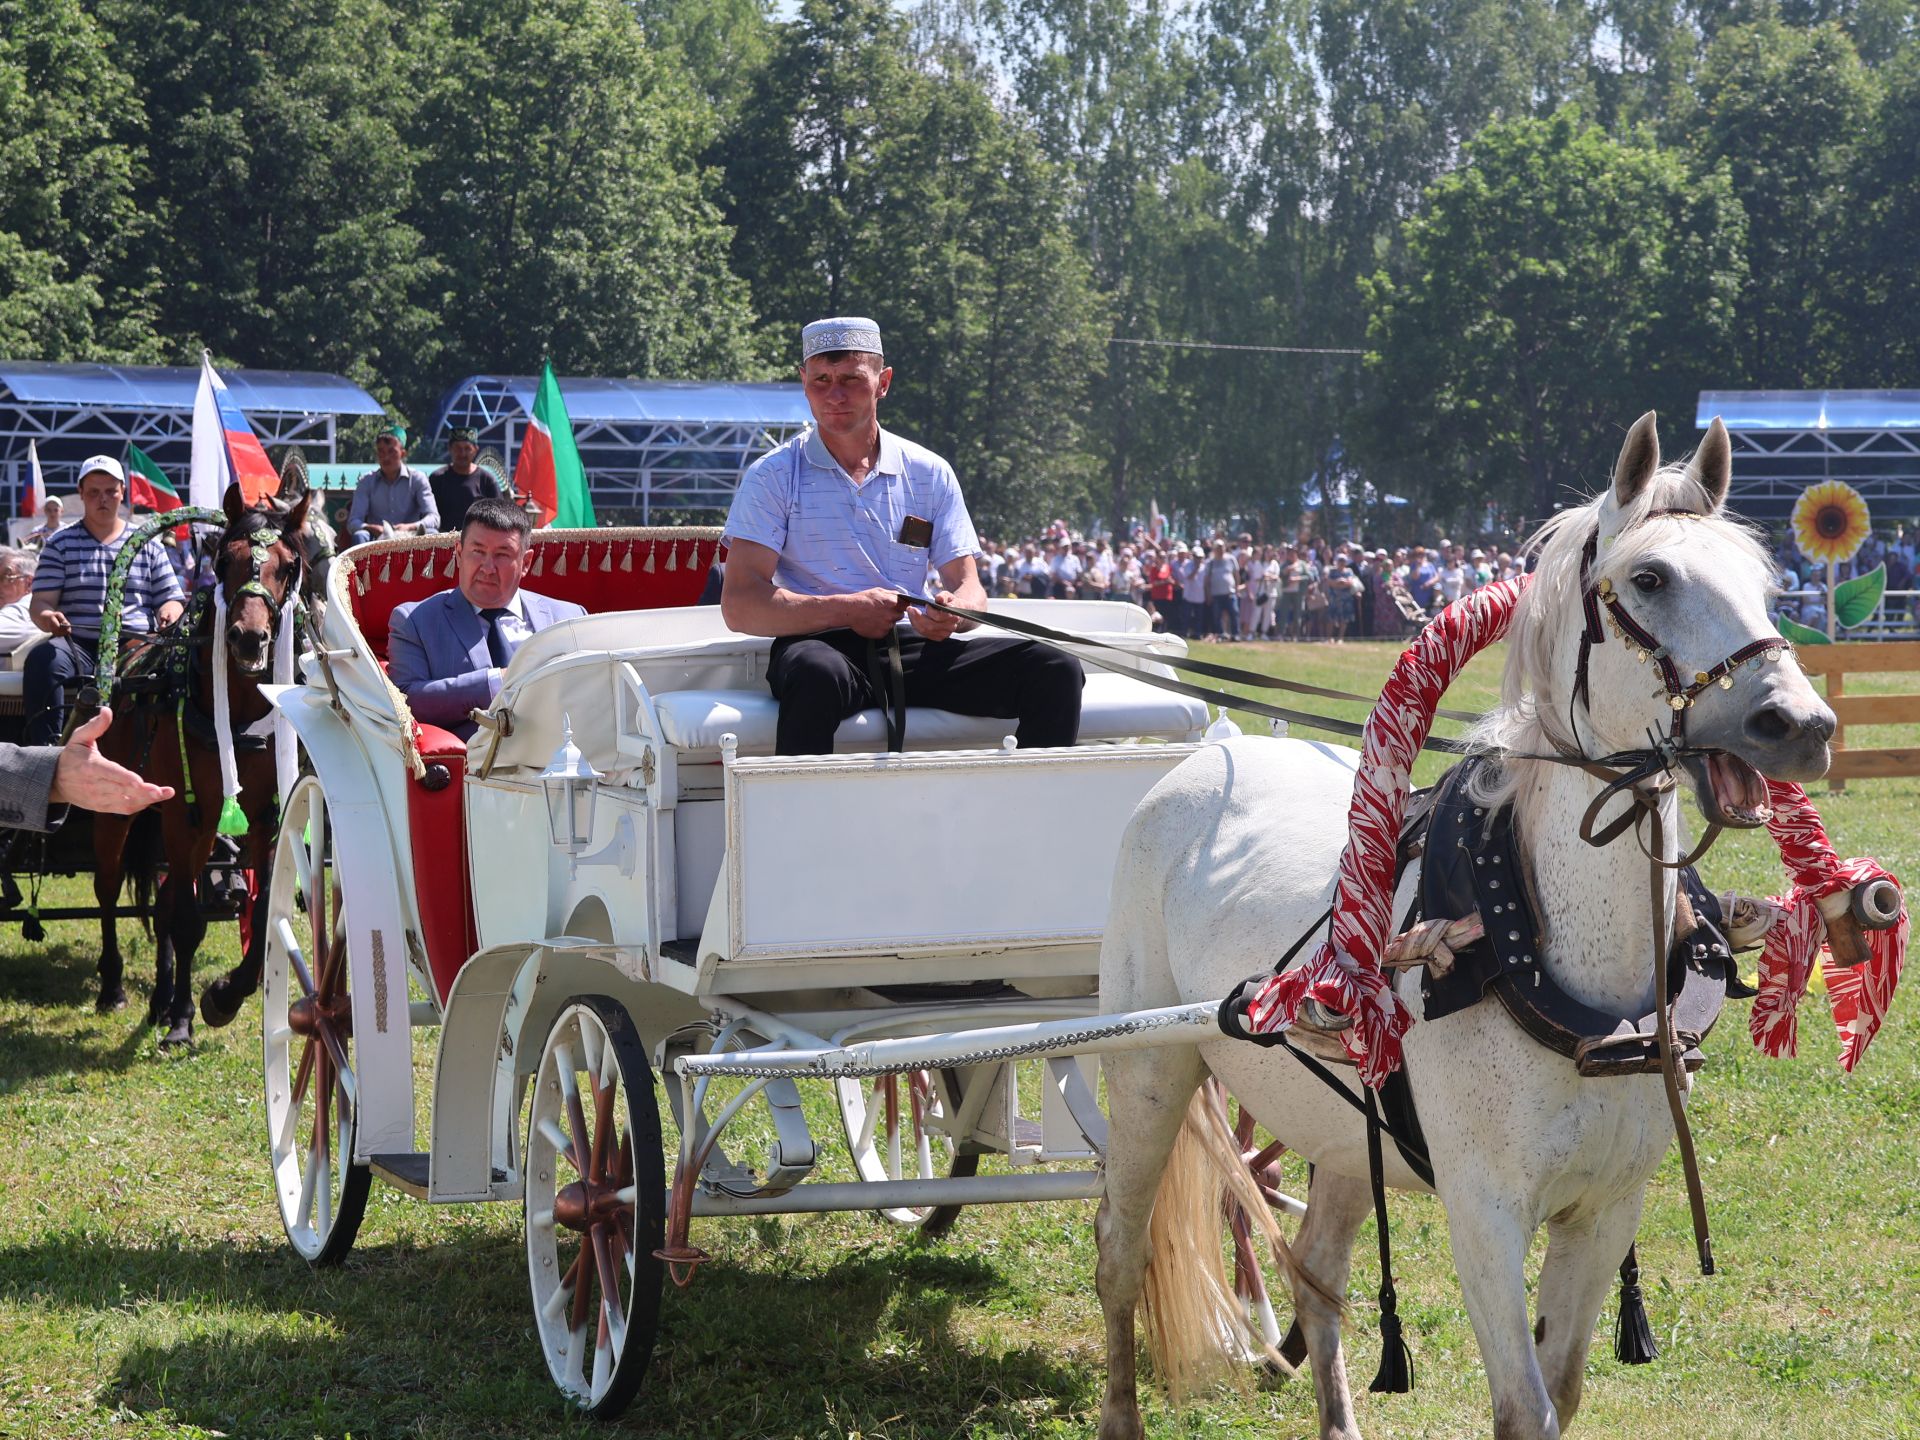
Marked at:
<point>53,668</point>
<point>821,679</point>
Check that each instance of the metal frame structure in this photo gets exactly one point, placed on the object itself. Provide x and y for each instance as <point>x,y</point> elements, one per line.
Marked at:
<point>649,446</point>
<point>73,411</point>
<point>1786,440</point>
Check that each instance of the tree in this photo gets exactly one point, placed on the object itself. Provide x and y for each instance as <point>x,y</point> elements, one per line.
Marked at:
<point>723,44</point>
<point>1558,284</point>
<point>860,182</point>
<point>562,184</point>
<point>1785,110</point>
<point>68,224</point>
<point>1876,250</point>
<point>276,182</point>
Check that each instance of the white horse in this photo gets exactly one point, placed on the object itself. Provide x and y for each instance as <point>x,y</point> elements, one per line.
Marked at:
<point>1231,857</point>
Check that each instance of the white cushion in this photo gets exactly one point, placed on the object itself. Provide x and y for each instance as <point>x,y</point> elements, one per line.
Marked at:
<point>1112,707</point>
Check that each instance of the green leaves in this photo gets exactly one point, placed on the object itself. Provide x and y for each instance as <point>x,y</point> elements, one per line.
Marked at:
<point>1855,600</point>
<point>1800,634</point>
<point>1559,281</point>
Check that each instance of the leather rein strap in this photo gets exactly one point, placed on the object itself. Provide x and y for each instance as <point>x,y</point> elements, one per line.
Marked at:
<point>1089,650</point>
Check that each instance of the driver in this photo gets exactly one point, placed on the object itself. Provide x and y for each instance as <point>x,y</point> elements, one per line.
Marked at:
<point>70,594</point>
<point>823,533</point>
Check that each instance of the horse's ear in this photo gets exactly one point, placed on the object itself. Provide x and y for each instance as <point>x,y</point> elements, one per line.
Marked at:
<point>1639,458</point>
<point>235,504</point>
<point>1712,464</point>
<point>297,516</point>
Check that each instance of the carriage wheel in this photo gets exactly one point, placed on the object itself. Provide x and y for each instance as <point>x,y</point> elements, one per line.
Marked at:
<point>595,1205</point>
<point>307,1014</point>
<point>891,1135</point>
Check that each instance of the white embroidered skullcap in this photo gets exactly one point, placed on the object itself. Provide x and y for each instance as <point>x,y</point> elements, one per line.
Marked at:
<point>843,332</point>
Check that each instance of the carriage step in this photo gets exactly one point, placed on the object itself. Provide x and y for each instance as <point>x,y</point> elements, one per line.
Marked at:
<point>407,1170</point>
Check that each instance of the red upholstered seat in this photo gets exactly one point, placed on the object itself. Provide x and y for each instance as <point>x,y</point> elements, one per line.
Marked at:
<point>436,828</point>
<point>604,573</point>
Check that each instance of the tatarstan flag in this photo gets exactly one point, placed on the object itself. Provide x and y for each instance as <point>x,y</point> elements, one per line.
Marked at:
<point>548,467</point>
<point>147,488</point>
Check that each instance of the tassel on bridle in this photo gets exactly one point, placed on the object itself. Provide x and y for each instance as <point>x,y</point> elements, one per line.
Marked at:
<point>1633,1342</point>
<point>1395,1376</point>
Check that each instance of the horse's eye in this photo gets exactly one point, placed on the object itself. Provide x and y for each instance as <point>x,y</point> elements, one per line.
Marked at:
<point>1647,581</point>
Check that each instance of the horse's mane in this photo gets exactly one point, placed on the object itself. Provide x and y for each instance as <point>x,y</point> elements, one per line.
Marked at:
<point>1535,689</point>
<point>265,516</point>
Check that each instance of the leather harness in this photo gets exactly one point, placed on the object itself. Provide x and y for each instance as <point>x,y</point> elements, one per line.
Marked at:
<point>1472,864</point>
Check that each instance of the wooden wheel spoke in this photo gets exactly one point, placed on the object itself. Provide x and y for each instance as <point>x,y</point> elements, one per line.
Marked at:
<point>562,1144</point>
<point>563,1292</point>
<point>336,1047</point>
<point>576,1116</point>
<point>323,1092</point>
<point>300,971</point>
<point>603,1263</point>
<point>333,973</point>
<point>582,1291</point>
<point>303,1072</point>
<point>603,1098</point>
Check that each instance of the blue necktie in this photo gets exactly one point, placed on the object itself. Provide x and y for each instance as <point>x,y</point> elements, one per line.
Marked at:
<point>497,648</point>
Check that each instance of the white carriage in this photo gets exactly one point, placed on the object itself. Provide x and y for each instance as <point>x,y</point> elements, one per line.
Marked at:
<point>656,893</point>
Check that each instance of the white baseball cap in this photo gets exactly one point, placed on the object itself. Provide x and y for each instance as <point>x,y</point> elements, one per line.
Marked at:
<point>103,463</point>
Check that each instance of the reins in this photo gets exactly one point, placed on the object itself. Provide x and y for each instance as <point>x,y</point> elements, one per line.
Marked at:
<point>1088,649</point>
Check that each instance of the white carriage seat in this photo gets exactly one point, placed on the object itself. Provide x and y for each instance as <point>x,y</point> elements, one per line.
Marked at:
<point>1112,707</point>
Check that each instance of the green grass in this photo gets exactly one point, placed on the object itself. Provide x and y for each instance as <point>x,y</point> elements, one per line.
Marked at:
<point>146,1289</point>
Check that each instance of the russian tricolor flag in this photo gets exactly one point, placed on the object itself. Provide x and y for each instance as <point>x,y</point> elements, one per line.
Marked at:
<point>225,449</point>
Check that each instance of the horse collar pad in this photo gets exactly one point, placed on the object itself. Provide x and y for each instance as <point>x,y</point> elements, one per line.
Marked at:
<point>1473,864</point>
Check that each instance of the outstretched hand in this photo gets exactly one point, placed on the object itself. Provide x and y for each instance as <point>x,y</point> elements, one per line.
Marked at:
<point>86,778</point>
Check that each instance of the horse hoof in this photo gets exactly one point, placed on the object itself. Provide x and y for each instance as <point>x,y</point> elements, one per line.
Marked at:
<point>111,1000</point>
<point>179,1037</point>
<point>158,1005</point>
<point>219,1004</point>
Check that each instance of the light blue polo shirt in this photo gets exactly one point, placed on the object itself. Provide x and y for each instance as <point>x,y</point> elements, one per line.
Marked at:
<point>835,537</point>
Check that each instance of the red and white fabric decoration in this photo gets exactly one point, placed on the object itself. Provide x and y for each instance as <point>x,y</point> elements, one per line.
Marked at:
<point>1344,974</point>
<point>1858,994</point>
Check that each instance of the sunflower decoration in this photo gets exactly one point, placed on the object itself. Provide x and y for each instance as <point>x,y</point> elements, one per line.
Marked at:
<point>1830,522</point>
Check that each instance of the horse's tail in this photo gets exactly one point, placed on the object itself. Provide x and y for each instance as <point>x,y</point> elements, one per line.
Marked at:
<point>1198,1330</point>
<point>140,862</point>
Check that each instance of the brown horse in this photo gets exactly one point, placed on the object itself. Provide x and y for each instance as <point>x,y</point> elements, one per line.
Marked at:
<point>261,563</point>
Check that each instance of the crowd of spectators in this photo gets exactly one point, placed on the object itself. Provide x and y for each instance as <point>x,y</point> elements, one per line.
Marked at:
<point>1803,583</point>
<point>1228,587</point>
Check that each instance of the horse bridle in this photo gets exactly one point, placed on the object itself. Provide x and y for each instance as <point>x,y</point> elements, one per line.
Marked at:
<point>1604,610</point>
<point>1598,596</point>
<point>261,543</point>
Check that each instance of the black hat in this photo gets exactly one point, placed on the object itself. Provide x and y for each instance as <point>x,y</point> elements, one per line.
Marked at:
<point>462,432</point>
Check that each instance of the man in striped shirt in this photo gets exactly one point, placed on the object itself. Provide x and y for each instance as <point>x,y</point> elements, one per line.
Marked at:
<point>70,595</point>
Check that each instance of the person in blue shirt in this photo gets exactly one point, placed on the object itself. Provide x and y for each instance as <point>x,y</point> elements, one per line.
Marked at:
<point>825,534</point>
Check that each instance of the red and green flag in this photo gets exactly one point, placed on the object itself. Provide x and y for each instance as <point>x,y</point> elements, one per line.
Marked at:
<point>548,467</point>
<point>147,488</point>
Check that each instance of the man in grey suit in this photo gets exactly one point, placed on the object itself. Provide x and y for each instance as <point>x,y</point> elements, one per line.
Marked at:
<point>446,653</point>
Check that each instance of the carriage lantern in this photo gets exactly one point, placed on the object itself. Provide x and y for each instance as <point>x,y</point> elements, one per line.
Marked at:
<point>568,782</point>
